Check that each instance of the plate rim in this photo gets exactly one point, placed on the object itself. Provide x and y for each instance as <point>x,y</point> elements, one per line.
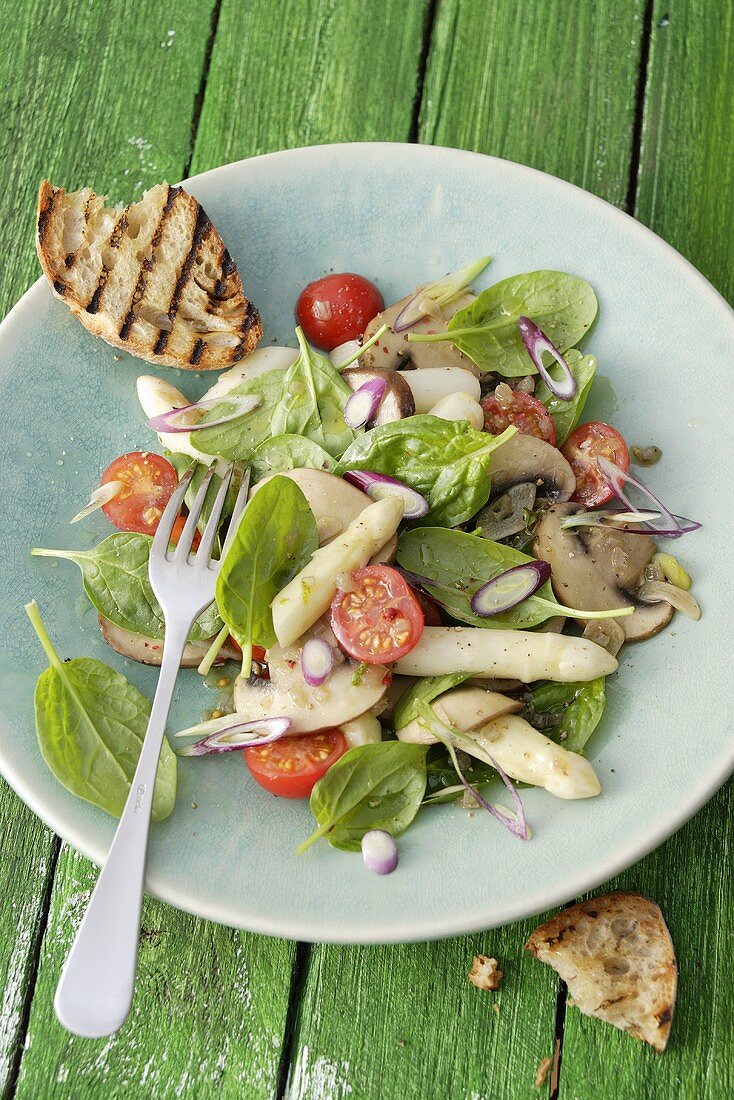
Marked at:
<point>422,930</point>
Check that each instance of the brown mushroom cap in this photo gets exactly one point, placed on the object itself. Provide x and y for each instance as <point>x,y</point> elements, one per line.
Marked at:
<point>149,651</point>
<point>599,569</point>
<point>398,400</point>
<point>525,458</point>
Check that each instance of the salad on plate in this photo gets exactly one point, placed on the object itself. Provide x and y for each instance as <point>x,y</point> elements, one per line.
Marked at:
<point>437,566</point>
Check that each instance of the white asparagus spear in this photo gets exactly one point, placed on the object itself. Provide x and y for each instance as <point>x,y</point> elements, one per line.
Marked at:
<point>530,757</point>
<point>307,597</point>
<point>464,708</point>
<point>514,654</point>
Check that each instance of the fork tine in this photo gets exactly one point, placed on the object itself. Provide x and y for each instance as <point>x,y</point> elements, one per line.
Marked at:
<point>204,550</point>
<point>186,538</point>
<point>170,514</point>
<point>239,507</point>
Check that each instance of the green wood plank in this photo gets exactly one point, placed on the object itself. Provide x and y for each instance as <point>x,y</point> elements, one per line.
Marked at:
<point>207,1019</point>
<point>284,75</point>
<point>79,101</point>
<point>548,84</point>
<point>490,68</point>
<point>107,96</point>
<point>687,157</point>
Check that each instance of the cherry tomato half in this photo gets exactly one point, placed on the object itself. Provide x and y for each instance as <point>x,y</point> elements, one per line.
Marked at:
<point>291,767</point>
<point>177,530</point>
<point>379,619</point>
<point>148,482</point>
<point>528,415</point>
<point>337,308</point>
<point>584,445</point>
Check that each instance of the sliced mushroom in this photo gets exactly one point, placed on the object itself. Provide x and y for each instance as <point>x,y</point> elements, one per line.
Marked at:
<point>505,515</point>
<point>149,651</point>
<point>398,400</point>
<point>394,349</point>
<point>459,406</point>
<point>599,569</point>
<point>465,708</point>
<point>334,503</point>
<point>343,697</point>
<point>527,459</point>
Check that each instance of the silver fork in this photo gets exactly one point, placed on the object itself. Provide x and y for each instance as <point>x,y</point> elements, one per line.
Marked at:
<point>96,987</point>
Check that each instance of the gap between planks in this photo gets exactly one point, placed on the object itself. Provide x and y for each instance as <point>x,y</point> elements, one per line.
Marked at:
<point>199,100</point>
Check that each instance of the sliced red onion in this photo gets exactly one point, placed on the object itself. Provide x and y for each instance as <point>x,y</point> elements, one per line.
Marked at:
<point>317,661</point>
<point>510,588</point>
<point>379,851</point>
<point>518,826</point>
<point>98,498</point>
<point>536,342</point>
<point>233,737</point>
<point>618,521</point>
<point>616,478</point>
<point>169,422</point>
<point>364,402</point>
<point>378,486</point>
<point>428,300</point>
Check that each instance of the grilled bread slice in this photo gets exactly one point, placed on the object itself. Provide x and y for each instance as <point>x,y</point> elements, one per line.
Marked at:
<point>153,278</point>
<point>617,958</point>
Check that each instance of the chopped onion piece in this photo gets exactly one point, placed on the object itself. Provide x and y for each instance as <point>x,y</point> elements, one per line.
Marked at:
<point>536,342</point>
<point>379,851</point>
<point>429,300</point>
<point>510,588</point>
<point>364,402</point>
<point>674,526</point>
<point>239,735</point>
<point>317,661</point>
<point>171,422</point>
<point>672,570</point>
<point>655,591</point>
<point>379,486</point>
<point>348,352</point>
<point>101,496</point>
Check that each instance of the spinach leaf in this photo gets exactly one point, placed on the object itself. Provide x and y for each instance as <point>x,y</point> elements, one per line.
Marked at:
<point>238,439</point>
<point>371,787</point>
<point>424,691</point>
<point>312,401</point>
<point>91,723</point>
<point>446,461</point>
<point>566,414</point>
<point>567,713</point>
<point>486,330</point>
<point>289,452</point>
<point>116,580</point>
<point>181,463</point>
<point>455,564</point>
<point>275,538</point>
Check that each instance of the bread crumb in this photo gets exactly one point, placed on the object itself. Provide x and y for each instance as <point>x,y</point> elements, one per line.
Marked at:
<point>485,973</point>
<point>496,1008</point>
<point>542,1072</point>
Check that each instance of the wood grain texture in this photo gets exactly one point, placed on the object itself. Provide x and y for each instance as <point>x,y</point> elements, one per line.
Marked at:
<point>78,102</point>
<point>547,84</point>
<point>684,193</point>
<point>404,1021</point>
<point>285,74</point>
<point>207,1019</point>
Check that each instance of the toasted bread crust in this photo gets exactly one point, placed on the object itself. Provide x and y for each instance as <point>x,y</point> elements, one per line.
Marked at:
<point>617,957</point>
<point>153,278</point>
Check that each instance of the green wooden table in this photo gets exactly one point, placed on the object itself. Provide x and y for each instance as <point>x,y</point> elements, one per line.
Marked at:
<point>631,99</point>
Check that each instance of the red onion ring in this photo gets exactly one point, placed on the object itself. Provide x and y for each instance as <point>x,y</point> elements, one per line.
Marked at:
<point>377,486</point>
<point>166,422</point>
<point>536,342</point>
<point>519,826</point>
<point>227,740</point>
<point>616,478</point>
<point>509,588</point>
<point>364,402</point>
<point>317,661</point>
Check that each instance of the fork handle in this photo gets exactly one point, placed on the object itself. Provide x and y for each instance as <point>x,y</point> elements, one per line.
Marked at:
<point>96,987</point>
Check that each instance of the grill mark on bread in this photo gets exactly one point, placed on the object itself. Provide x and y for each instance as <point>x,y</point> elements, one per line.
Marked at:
<point>113,242</point>
<point>196,353</point>
<point>252,317</point>
<point>44,215</point>
<point>201,228</point>
<point>147,265</point>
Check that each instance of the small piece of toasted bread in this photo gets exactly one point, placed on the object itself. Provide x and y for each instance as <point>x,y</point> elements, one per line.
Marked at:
<point>153,278</point>
<point>485,973</point>
<point>617,958</point>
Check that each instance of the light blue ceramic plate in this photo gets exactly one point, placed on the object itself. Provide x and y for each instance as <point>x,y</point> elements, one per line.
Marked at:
<point>399,214</point>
